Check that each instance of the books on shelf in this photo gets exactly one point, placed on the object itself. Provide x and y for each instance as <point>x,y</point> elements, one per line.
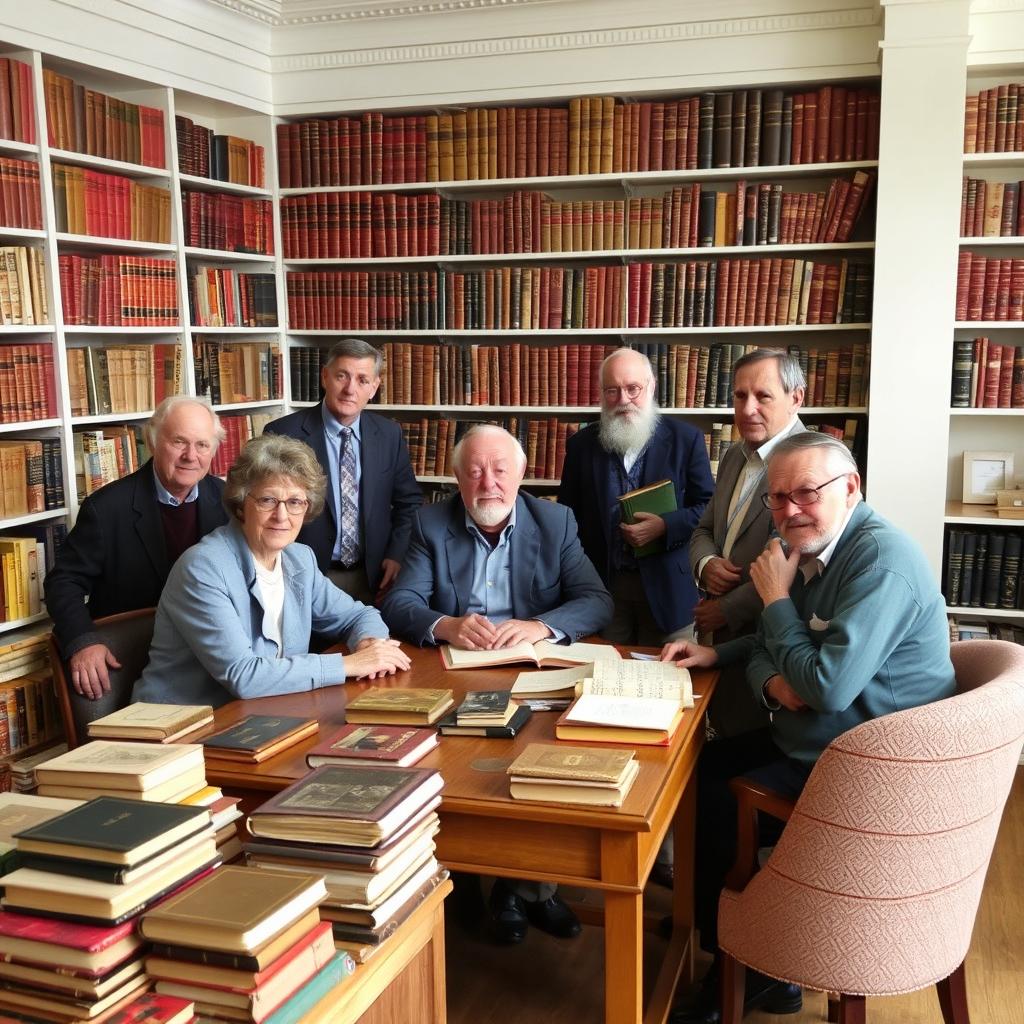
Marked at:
<point>231,371</point>
<point>982,568</point>
<point>23,295</point>
<point>598,718</point>
<point>304,363</point>
<point>20,198</point>
<point>963,629</point>
<point>377,225</point>
<point>407,705</point>
<point>222,297</point>
<point>987,375</point>
<point>104,455</point>
<point>165,723</point>
<point>228,223</point>
<point>88,202</point>
<point>546,772</point>
<point>543,654</point>
<point>17,101</point>
<point>388,744</point>
<point>122,378</point>
<point>206,154</point>
<point>587,135</point>
<point>31,476</point>
<point>118,290</point>
<point>994,120</point>
<point>86,121</point>
<point>346,804</point>
<point>727,292</point>
<point>989,288</point>
<point>237,430</point>
<point>28,388</point>
<point>146,771</point>
<point>258,737</point>
<point>22,595</point>
<point>990,209</point>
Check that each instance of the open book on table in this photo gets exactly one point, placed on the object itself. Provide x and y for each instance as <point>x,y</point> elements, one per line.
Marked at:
<point>542,654</point>
<point>660,680</point>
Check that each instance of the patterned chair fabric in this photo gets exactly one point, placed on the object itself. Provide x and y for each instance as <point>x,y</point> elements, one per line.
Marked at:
<point>875,882</point>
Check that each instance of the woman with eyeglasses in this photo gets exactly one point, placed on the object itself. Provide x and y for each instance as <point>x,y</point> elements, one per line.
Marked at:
<point>235,617</point>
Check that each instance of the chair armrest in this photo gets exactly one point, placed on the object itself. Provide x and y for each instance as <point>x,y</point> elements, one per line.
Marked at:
<point>752,797</point>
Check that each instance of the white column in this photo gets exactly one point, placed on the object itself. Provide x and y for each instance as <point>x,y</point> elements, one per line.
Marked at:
<point>924,57</point>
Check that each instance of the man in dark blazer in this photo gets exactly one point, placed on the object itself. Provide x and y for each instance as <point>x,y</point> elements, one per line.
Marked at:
<point>129,534</point>
<point>376,493</point>
<point>630,447</point>
<point>768,389</point>
<point>487,569</point>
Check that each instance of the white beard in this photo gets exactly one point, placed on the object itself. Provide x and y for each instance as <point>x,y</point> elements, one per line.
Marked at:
<point>621,434</point>
<point>490,514</point>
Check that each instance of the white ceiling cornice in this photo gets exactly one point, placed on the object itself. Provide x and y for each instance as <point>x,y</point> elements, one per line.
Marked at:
<point>279,13</point>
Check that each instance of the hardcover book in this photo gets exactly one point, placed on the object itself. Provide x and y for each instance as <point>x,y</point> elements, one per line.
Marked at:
<point>451,726</point>
<point>153,1008</point>
<point>543,654</point>
<point>345,804</point>
<point>258,737</point>
<point>642,720</point>
<point>114,831</point>
<point>238,910</point>
<point>21,811</point>
<point>386,743</point>
<point>486,707</point>
<point>399,706</point>
<point>573,764</point>
<point>112,764</point>
<point>656,498</point>
<point>141,721</point>
<point>591,794</point>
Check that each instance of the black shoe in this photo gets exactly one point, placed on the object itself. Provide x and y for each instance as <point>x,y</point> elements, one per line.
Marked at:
<point>554,917</point>
<point>508,915</point>
<point>663,874</point>
<point>761,993</point>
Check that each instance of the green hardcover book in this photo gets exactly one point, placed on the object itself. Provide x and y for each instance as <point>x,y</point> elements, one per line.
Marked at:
<point>658,498</point>
<point>113,831</point>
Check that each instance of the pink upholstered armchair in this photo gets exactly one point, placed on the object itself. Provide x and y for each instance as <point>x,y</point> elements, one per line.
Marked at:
<point>873,887</point>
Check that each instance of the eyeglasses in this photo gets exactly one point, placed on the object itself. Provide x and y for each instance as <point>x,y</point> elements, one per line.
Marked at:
<point>629,390</point>
<point>801,496</point>
<point>268,503</point>
<point>180,444</point>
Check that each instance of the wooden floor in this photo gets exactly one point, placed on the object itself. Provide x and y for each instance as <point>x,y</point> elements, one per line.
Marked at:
<point>547,980</point>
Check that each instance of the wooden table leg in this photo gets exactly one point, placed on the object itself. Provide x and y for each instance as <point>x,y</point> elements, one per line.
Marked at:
<point>623,957</point>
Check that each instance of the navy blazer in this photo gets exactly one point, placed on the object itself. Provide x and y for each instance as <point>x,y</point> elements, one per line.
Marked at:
<point>676,452</point>
<point>116,556</point>
<point>551,576</point>
<point>388,491</point>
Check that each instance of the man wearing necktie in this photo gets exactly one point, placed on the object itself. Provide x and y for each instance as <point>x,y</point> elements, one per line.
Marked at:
<point>361,536</point>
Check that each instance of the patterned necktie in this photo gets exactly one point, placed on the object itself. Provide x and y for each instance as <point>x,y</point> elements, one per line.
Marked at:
<point>347,499</point>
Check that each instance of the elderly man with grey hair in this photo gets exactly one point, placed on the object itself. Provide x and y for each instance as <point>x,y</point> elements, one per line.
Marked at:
<point>236,615</point>
<point>489,568</point>
<point>360,540</point>
<point>129,534</point>
<point>853,627</point>
<point>768,390</point>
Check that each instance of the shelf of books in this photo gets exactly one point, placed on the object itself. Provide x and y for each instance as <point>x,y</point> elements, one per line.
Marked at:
<point>982,547</point>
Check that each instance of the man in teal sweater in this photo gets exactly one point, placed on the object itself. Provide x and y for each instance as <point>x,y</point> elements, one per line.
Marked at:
<point>853,627</point>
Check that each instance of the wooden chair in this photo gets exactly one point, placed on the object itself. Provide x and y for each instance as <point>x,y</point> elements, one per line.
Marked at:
<point>128,635</point>
<point>874,884</point>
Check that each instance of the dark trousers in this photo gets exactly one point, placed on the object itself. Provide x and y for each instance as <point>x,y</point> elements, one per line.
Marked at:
<point>754,756</point>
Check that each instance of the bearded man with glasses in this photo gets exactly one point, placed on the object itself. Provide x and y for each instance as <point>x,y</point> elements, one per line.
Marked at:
<point>853,627</point>
<point>632,446</point>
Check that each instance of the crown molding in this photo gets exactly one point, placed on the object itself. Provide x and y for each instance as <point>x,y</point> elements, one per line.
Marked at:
<point>282,13</point>
<point>678,32</point>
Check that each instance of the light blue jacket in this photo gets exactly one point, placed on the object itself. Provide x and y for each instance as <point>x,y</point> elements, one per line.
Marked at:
<point>209,644</point>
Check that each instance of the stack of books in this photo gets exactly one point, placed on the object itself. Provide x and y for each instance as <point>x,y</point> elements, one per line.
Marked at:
<point>101,865</point>
<point>406,706</point>
<point>381,744</point>
<point>256,738</point>
<point>549,772</point>
<point>245,946</point>
<point>369,830</point>
<point>161,723</point>
<point>490,713</point>
<point>23,771</point>
<point>143,771</point>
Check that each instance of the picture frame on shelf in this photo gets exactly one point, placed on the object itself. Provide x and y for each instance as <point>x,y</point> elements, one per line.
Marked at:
<point>985,473</point>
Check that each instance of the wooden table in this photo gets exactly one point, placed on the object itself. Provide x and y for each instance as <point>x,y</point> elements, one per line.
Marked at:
<point>485,832</point>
